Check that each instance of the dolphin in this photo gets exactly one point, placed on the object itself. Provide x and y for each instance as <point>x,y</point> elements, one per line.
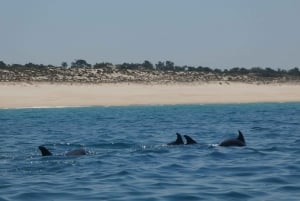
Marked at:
<point>75,152</point>
<point>178,141</point>
<point>239,141</point>
<point>189,140</point>
<point>45,151</point>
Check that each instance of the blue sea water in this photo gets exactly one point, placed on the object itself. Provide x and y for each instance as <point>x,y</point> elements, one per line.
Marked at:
<point>128,158</point>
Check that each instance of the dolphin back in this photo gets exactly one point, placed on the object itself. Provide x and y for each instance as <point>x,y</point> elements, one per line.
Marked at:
<point>239,141</point>
<point>76,152</point>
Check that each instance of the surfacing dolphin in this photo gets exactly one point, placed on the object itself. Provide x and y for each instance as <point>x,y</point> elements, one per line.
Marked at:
<point>189,140</point>
<point>75,152</point>
<point>239,141</point>
<point>178,140</point>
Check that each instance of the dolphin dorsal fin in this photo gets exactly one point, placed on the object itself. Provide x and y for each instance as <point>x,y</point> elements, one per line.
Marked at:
<point>179,139</point>
<point>189,140</point>
<point>241,137</point>
<point>45,151</point>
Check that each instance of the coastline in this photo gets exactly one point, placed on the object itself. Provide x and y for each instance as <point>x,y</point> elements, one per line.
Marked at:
<point>30,95</point>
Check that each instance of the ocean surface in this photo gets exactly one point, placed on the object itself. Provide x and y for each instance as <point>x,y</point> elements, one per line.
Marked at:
<point>129,160</point>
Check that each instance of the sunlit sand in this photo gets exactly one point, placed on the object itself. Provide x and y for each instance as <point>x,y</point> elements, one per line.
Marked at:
<point>21,95</point>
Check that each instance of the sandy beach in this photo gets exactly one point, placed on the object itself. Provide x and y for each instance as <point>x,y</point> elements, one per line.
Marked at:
<point>20,95</point>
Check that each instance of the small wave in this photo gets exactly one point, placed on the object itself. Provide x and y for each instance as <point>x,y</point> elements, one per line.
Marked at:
<point>183,196</point>
<point>272,149</point>
<point>255,150</point>
<point>36,195</point>
<point>272,180</point>
<point>290,188</point>
<point>256,128</point>
<point>217,154</point>
<point>151,149</point>
<point>117,145</point>
<point>116,175</point>
<point>231,195</point>
<point>297,141</point>
<point>173,166</point>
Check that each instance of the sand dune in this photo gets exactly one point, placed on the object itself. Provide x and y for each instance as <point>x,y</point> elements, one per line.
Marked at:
<point>19,95</point>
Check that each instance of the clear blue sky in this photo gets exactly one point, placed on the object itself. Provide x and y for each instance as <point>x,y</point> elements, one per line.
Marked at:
<point>213,33</point>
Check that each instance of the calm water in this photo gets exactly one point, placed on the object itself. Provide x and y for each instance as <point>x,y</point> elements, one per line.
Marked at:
<point>129,160</point>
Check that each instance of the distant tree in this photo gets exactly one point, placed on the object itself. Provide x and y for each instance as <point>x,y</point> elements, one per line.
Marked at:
<point>294,72</point>
<point>269,72</point>
<point>147,65</point>
<point>237,71</point>
<point>15,66</point>
<point>281,71</point>
<point>234,71</point>
<point>31,65</point>
<point>160,65</point>
<point>64,64</point>
<point>180,68</point>
<point>244,71</point>
<point>204,69</point>
<point>2,65</point>
<point>190,68</point>
<point>169,65</point>
<point>218,71</point>
<point>126,66</point>
<point>80,63</point>
<point>102,65</point>
<point>256,70</point>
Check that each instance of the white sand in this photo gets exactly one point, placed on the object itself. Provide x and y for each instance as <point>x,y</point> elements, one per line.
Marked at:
<point>19,95</point>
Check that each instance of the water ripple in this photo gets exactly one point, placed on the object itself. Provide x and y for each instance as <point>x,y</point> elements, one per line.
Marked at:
<point>129,160</point>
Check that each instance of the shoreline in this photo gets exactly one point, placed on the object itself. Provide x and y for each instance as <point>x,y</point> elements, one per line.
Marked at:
<point>158,105</point>
<point>14,95</point>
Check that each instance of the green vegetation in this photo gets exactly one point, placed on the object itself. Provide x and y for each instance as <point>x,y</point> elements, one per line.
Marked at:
<point>81,71</point>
